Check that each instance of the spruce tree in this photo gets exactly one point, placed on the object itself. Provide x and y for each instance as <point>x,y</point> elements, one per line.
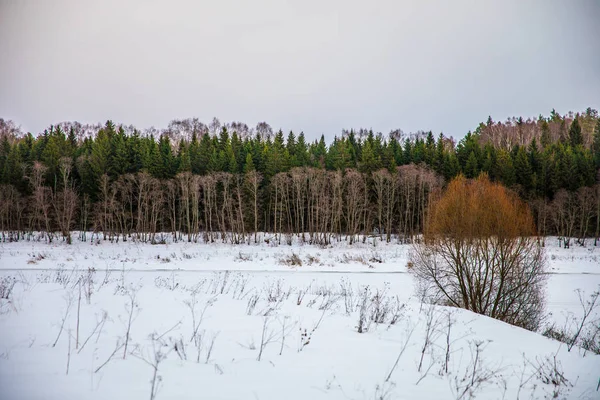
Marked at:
<point>301,150</point>
<point>523,170</point>
<point>545,135</point>
<point>155,162</point>
<point>575,135</point>
<point>101,157</point>
<point>183,161</point>
<point>193,154</point>
<point>12,172</point>
<point>451,165</point>
<point>369,161</point>
<point>169,167</point>
<point>204,156</point>
<point>471,168</point>
<point>505,168</point>
<point>249,164</point>
<point>121,159</point>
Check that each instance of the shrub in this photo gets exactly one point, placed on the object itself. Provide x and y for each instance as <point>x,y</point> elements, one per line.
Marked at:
<point>292,260</point>
<point>479,253</point>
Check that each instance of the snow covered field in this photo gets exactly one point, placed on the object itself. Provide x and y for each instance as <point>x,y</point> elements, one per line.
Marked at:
<point>215,321</point>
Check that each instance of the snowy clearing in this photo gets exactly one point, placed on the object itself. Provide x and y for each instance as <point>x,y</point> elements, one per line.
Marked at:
<point>216,321</point>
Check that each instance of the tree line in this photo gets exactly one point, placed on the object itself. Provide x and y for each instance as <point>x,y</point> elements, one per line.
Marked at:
<point>229,182</point>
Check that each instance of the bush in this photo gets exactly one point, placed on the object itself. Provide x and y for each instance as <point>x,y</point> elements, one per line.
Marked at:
<point>291,260</point>
<point>479,253</point>
<point>7,284</point>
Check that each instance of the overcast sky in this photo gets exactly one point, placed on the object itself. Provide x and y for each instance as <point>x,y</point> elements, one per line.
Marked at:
<point>312,66</point>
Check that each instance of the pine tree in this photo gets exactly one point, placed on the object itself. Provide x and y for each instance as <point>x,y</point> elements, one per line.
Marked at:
<point>183,161</point>
<point>471,168</point>
<point>249,164</point>
<point>418,151</point>
<point>205,153</point>
<point>369,161</point>
<point>301,150</point>
<point>523,170</point>
<point>575,135</point>
<point>429,149</point>
<point>451,166</point>
<point>545,135</point>
<point>101,157</point>
<point>223,139</point>
<point>505,168</point>
<point>290,146</point>
<point>236,149</point>
<point>353,149</point>
<point>408,152</point>
<point>438,158</point>
<point>319,152</point>
<point>388,160</point>
<point>193,153</point>
<point>169,167</point>
<point>155,166</point>
<point>232,162</point>
<point>121,159</point>
<point>13,170</point>
<point>489,160</point>
<point>72,142</point>
<point>469,144</point>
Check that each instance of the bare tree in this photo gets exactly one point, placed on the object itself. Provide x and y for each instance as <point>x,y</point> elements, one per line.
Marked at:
<point>41,200</point>
<point>586,199</point>
<point>355,189</point>
<point>65,201</point>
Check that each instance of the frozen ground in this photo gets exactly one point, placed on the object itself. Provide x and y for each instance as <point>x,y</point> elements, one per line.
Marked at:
<point>243,295</point>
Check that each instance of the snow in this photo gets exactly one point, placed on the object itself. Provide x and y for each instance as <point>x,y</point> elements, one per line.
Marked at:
<point>337,363</point>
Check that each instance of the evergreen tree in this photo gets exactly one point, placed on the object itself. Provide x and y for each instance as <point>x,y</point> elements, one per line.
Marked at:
<point>184,162</point>
<point>168,167</point>
<point>194,153</point>
<point>155,162</point>
<point>429,149</point>
<point>236,149</point>
<point>489,159</point>
<point>122,158</point>
<point>223,139</point>
<point>13,171</point>
<point>575,135</point>
<point>469,144</point>
<point>301,150</point>
<point>505,169</point>
<point>523,170</point>
<point>471,168</point>
<point>290,147</point>
<point>407,159</point>
<point>205,153</point>
<point>353,149</point>
<point>101,157</point>
<point>369,161</point>
<point>451,166</point>
<point>249,164</point>
<point>438,158</point>
<point>388,160</point>
<point>545,135</point>
<point>232,161</point>
<point>319,152</point>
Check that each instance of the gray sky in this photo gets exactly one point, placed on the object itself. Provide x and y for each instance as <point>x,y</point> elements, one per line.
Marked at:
<point>316,66</point>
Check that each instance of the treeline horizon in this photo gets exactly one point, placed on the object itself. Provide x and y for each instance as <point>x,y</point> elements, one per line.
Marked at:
<point>228,182</point>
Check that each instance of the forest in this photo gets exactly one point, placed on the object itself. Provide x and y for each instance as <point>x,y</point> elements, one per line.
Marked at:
<point>228,182</point>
